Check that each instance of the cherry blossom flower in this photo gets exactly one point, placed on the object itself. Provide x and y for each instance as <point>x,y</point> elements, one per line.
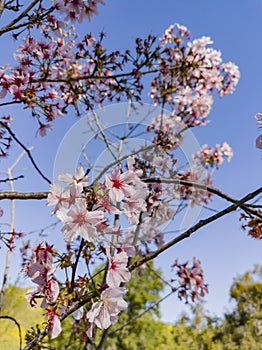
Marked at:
<point>78,178</point>
<point>118,184</point>
<point>104,312</point>
<point>213,156</point>
<point>43,128</point>
<point>53,327</point>
<point>191,280</point>
<point>134,205</point>
<point>78,314</point>
<point>117,271</point>
<point>57,196</point>
<point>78,221</point>
<point>40,270</point>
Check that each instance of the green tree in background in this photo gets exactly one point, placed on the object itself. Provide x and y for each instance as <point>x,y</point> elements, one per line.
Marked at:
<point>141,328</point>
<point>242,328</point>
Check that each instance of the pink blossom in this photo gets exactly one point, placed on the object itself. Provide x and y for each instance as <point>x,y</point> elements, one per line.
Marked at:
<point>134,205</point>
<point>117,269</point>
<point>79,177</point>
<point>79,221</point>
<point>43,128</point>
<point>258,117</point>
<point>103,312</point>
<point>118,184</point>
<point>41,269</point>
<point>213,156</point>
<point>57,196</point>
<point>191,280</point>
<point>54,325</point>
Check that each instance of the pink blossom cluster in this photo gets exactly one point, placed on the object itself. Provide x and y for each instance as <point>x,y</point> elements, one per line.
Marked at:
<point>168,129</point>
<point>59,70</point>
<point>191,280</point>
<point>77,10</point>
<point>214,157</point>
<point>71,204</point>
<point>43,66</point>
<point>189,90</point>
<point>104,312</point>
<point>41,270</point>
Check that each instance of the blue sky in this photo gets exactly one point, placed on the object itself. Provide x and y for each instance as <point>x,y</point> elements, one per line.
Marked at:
<point>236,29</point>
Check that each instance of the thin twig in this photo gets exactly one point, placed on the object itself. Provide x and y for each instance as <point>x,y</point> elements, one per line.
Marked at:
<point>18,326</point>
<point>75,265</point>
<point>103,134</point>
<point>9,26</point>
<point>12,179</point>
<point>26,150</point>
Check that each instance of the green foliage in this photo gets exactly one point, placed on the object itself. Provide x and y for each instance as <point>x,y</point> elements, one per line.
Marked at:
<point>144,290</point>
<point>16,306</point>
<point>240,329</point>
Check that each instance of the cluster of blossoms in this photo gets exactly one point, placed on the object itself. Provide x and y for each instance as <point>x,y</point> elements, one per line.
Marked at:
<point>189,89</point>
<point>41,270</point>
<point>86,213</point>
<point>209,156</point>
<point>104,312</point>
<point>191,280</point>
<point>253,225</point>
<point>83,214</point>
<point>77,10</point>
<point>59,70</point>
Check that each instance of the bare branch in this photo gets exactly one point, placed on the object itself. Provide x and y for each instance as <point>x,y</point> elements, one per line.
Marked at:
<point>10,25</point>
<point>2,5</point>
<point>23,196</point>
<point>26,150</point>
<point>195,228</point>
<point>12,179</point>
<point>210,189</point>
<point>103,134</point>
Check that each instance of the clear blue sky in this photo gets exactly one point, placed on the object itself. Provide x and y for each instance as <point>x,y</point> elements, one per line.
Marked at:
<point>236,29</point>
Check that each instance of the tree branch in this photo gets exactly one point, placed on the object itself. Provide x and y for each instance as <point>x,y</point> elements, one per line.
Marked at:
<point>23,196</point>
<point>216,191</point>
<point>194,228</point>
<point>9,26</point>
<point>2,5</point>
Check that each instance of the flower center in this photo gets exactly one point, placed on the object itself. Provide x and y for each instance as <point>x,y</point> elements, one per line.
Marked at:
<point>117,183</point>
<point>80,219</point>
